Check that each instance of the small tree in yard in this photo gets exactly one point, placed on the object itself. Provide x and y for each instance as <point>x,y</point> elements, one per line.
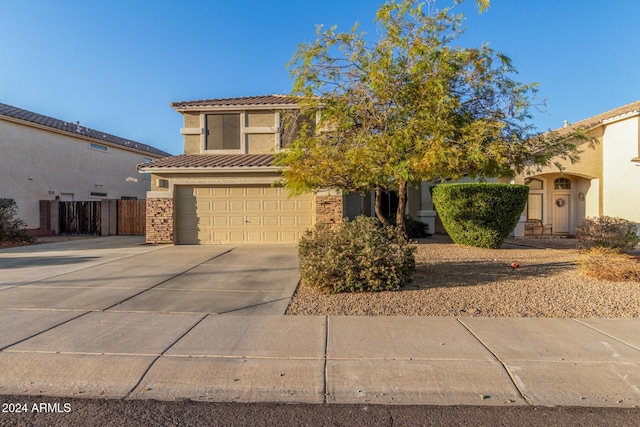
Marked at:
<point>412,106</point>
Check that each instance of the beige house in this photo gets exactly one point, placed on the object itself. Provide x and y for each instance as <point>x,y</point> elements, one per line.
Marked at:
<point>604,182</point>
<point>43,158</point>
<point>221,190</point>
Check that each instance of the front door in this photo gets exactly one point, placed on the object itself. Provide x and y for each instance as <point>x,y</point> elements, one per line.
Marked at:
<point>561,209</point>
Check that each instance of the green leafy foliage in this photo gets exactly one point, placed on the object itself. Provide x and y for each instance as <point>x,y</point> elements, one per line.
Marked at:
<point>479,214</point>
<point>415,229</point>
<point>11,227</point>
<point>413,106</point>
<point>608,232</point>
<point>356,256</point>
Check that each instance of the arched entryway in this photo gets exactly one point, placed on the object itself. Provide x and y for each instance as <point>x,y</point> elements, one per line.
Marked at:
<point>559,202</point>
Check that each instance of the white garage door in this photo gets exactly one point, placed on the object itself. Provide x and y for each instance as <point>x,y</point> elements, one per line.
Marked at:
<point>241,214</point>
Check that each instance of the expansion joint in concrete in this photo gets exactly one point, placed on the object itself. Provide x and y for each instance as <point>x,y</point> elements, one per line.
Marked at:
<point>514,379</point>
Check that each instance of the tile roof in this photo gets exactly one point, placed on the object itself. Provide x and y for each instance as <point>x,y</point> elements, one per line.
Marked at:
<point>239,101</point>
<point>594,121</point>
<point>76,129</point>
<point>189,161</point>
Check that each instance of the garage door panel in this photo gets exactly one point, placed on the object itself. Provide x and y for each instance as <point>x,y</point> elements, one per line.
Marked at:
<point>241,214</point>
<point>220,221</point>
<point>288,220</point>
<point>253,205</point>
<point>236,206</point>
<point>220,206</point>
<point>236,221</point>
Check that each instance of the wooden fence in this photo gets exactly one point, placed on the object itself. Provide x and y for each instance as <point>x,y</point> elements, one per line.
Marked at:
<point>131,217</point>
<point>107,217</point>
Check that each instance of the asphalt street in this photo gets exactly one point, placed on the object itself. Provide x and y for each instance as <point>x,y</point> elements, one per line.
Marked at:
<point>120,413</point>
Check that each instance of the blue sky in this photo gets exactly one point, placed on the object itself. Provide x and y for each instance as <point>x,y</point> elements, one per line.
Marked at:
<point>116,65</point>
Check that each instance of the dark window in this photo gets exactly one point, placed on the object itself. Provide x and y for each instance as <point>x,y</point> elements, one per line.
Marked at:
<point>223,132</point>
<point>97,147</point>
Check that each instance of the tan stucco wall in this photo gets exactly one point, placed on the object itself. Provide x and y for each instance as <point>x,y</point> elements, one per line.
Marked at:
<point>261,143</point>
<point>35,162</point>
<point>192,142</point>
<point>260,119</point>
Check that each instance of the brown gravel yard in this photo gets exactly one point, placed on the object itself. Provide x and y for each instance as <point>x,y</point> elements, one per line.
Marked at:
<point>455,280</point>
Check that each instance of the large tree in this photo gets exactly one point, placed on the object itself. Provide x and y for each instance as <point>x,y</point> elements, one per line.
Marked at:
<point>408,107</point>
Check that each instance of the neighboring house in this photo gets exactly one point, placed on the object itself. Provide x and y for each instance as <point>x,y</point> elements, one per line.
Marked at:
<point>221,190</point>
<point>604,181</point>
<point>43,158</point>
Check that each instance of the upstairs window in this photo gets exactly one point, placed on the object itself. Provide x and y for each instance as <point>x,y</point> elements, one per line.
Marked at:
<point>223,132</point>
<point>562,184</point>
<point>97,147</point>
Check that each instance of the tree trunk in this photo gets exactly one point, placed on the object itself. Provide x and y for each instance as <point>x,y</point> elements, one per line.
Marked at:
<point>378,208</point>
<point>402,204</point>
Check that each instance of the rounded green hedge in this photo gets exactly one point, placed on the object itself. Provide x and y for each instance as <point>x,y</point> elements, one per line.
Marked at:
<point>479,214</point>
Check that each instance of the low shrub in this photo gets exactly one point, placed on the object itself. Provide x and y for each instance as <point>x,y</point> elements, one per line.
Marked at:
<point>11,227</point>
<point>607,232</point>
<point>356,256</point>
<point>479,214</point>
<point>415,229</point>
<point>609,264</point>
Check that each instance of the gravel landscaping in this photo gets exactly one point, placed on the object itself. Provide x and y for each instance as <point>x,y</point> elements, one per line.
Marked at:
<point>455,280</point>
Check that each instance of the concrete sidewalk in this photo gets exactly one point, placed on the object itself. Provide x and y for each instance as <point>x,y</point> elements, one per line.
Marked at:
<point>318,359</point>
<point>115,318</point>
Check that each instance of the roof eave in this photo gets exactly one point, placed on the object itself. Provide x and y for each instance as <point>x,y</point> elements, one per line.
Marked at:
<point>213,108</point>
<point>214,170</point>
<point>81,136</point>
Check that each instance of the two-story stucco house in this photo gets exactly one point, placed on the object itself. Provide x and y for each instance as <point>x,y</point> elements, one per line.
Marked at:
<point>43,158</point>
<point>221,189</point>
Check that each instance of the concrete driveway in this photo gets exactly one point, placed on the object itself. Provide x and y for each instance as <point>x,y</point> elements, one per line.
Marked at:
<point>123,274</point>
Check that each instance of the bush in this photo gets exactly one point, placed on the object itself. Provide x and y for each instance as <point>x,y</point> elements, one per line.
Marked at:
<point>479,214</point>
<point>607,232</point>
<point>11,228</point>
<point>356,256</point>
<point>609,264</point>
<point>415,229</point>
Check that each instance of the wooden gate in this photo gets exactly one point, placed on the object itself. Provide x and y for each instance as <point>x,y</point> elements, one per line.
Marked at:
<point>131,217</point>
<point>79,218</point>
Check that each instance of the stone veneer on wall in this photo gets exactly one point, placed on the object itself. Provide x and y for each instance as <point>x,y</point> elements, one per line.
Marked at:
<point>329,210</point>
<point>159,219</point>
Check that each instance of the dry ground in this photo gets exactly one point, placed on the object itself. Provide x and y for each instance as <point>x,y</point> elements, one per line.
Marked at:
<point>455,280</point>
